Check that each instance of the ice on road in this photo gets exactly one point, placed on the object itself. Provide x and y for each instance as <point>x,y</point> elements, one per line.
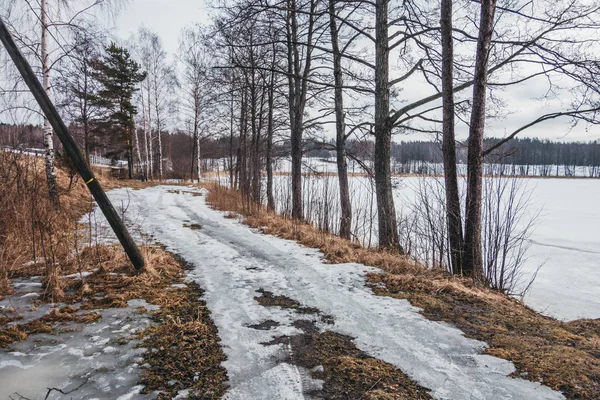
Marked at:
<point>231,261</point>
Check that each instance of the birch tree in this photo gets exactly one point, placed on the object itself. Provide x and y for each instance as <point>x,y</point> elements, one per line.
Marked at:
<point>195,94</point>
<point>53,23</point>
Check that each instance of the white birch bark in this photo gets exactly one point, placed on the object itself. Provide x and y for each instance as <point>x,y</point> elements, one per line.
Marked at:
<point>47,130</point>
<point>150,149</point>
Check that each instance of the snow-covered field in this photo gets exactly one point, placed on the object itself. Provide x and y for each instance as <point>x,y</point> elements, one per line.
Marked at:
<point>231,262</point>
<point>567,241</point>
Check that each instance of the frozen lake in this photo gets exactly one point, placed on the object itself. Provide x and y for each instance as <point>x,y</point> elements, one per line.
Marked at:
<point>568,242</point>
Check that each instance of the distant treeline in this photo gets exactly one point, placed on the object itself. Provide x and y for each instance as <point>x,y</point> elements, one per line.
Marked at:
<point>518,152</point>
<point>525,156</point>
<point>531,157</point>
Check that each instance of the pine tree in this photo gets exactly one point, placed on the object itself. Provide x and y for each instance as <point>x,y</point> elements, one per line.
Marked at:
<point>119,76</point>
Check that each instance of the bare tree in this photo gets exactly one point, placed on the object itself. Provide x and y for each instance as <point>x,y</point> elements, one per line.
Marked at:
<point>196,93</point>
<point>340,125</point>
<point>453,214</point>
<point>473,260</point>
<point>163,83</point>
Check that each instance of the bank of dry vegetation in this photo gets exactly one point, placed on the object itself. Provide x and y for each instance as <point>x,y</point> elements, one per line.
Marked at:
<point>563,356</point>
<point>81,276</point>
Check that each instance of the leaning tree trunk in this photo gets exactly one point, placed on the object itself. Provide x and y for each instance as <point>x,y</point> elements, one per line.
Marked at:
<point>473,258</point>
<point>340,127</point>
<point>453,217</point>
<point>48,140</point>
<point>386,212</point>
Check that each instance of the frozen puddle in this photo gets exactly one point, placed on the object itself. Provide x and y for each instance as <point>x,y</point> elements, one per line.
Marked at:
<point>97,360</point>
<point>232,261</point>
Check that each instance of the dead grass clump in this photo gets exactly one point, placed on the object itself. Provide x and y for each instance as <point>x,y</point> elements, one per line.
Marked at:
<point>184,349</point>
<point>564,356</point>
<point>5,288</point>
<point>69,314</point>
<point>268,299</point>
<point>114,282</point>
<point>12,334</point>
<point>354,379</point>
<point>20,332</point>
<point>194,227</point>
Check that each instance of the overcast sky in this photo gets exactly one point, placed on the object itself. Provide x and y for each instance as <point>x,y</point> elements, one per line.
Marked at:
<point>165,17</point>
<point>168,17</point>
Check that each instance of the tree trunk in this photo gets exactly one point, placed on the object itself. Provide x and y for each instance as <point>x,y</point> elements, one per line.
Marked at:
<point>146,150</point>
<point>150,149</point>
<point>86,126</point>
<point>137,150</point>
<point>386,212</point>
<point>130,135</point>
<point>473,258</point>
<point>158,129</point>
<point>231,116</point>
<point>298,90</point>
<point>48,140</point>
<point>340,127</point>
<point>198,155</point>
<point>160,155</point>
<point>243,146</point>
<point>453,214</point>
<point>295,129</point>
<point>269,158</point>
<point>255,131</point>
<point>86,139</point>
<point>193,159</point>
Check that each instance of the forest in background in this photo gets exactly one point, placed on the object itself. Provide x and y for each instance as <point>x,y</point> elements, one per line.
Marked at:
<point>529,156</point>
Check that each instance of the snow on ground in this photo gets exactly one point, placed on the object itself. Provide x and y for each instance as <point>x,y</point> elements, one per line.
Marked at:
<point>100,358</point>
<point>231,262</point>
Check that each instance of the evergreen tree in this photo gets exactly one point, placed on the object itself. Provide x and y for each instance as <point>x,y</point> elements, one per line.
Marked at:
<point>119,76</point>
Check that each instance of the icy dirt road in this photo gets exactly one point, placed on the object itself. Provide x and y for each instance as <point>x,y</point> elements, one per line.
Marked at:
<point>231,262</point>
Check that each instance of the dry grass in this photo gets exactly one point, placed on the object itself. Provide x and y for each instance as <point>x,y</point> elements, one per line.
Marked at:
<point>115,278</point>
<point>564,356</point>
<point>31,229</point>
